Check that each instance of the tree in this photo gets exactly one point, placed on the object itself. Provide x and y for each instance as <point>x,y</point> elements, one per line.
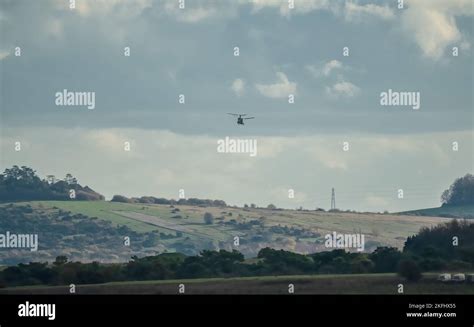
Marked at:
<point>68,179</point>
<point>208,218</point>
<point>271,206</point>
<point>385,259</point>
<point>60,260</point>
<point>409,270</point>
<point>460,192</point>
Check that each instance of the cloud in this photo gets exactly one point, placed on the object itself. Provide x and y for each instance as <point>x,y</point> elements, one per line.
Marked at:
<point>356,12</point>
<point>121,8</point>
<point>326,69</point>
<point>127,9</point>
<point>433,25</point>
<point>54,28</point>
<point>340,88</point>
<point>351,11</point>
<point>4,54</point>
<point>238,86</point>
<point>343,88</point>
<point>280,89</point>
<point>189,15</point>
<point>329,66</point>
<point>198,10</point>
<point>300,7</point>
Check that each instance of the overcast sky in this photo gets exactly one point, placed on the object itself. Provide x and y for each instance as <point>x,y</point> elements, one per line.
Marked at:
<point>283,51</point>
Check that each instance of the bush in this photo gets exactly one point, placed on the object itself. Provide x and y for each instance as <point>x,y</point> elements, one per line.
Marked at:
<point>120,198</point>
<point>409,270</point>
<point>84,196</point>
<point>208,218</point>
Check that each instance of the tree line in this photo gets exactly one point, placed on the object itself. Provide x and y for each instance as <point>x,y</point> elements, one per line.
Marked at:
<point>154,200</point>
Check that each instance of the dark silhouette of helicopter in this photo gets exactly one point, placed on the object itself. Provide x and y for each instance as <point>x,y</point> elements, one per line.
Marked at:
<point>240,120</point>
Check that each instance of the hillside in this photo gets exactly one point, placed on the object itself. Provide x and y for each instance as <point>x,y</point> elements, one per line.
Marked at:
<point>447,211</point>
<point>74,235</point>
<point>181,228</point>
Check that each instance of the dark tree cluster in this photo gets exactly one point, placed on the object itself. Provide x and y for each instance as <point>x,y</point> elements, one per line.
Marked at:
<point>22,184</point>
<point>448,245</point>
<point>461,192</point>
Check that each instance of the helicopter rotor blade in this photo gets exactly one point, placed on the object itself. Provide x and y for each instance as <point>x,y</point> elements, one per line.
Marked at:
<point>230,113</point>
<point>249,118</point>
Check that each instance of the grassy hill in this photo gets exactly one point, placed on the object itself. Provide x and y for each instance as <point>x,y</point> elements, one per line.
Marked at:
<point>181,228</point>
<point>448,211</point>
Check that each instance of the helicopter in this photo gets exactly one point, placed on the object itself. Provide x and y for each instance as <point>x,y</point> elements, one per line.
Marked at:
<point>240,119</point>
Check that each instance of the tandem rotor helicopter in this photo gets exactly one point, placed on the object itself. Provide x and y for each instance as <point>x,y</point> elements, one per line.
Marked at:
<point>240,118</point>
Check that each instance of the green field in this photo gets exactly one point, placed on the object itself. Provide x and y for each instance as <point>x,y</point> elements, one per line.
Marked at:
<point>99,209</point>
<point>315,284</point>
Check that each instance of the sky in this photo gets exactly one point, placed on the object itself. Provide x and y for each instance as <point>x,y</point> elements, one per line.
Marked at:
<point>335,58</point>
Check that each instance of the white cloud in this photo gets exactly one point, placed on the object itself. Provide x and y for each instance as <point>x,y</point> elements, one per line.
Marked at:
<point>343,88</point>
<point>280,89</point>
<point>329,66</point>
<point>54,28</point>
<point>190,15</point>
<point>238,86</point>
<point>4,54</point>
<point>121,8</point>
<point>300,7</point>
<point>326,69</point>
<point>127,9</point>
<point>432,23</point>
<point>196,11</point>
<point>356,12</point>
<point>352,11</point>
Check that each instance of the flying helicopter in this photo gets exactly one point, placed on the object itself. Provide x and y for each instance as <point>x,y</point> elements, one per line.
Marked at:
<point>240,118</point>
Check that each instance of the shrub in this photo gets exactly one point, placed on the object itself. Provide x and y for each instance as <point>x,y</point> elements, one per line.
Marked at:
<point>120,198</point>
<point>208,218</point>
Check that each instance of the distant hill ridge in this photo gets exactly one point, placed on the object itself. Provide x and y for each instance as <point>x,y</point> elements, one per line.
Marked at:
<point>447,211</point>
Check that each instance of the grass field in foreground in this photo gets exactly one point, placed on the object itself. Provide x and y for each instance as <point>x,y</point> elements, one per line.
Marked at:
<point>316,284</point>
